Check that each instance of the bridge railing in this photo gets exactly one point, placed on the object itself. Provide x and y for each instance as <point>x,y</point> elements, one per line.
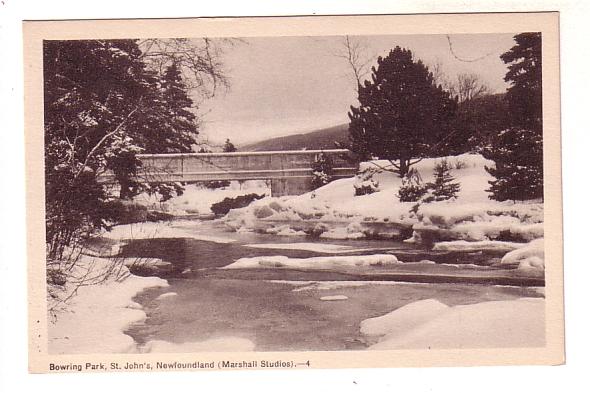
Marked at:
<point>197,167</point>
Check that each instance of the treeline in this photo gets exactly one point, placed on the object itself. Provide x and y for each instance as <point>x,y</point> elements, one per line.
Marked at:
<point>405,116</point>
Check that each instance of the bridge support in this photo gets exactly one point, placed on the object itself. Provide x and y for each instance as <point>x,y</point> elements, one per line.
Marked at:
<point>290,186</point>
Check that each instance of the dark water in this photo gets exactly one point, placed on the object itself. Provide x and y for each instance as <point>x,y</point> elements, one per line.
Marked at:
<point>259,305</point>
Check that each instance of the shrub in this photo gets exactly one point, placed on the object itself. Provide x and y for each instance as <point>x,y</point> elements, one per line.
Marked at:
<point>412,188</point>
<point>126,212</point>
<point>443,187</point>
<point>223,207</point>
<point>459,164</point>
<point>215,184</point>
<point>365,184</point>
<point>321,171</point>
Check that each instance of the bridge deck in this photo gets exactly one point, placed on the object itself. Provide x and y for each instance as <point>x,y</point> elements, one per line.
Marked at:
<point>199,167</point>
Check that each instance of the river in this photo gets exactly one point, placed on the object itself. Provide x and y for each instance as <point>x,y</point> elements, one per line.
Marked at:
<point>282,309</point>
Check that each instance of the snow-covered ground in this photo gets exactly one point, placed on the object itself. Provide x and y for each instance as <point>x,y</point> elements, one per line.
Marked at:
<point>94,319</point>
<point>430,324</point>
<point>470,222</point>
<point>161,230</point>
<point>197,199</point>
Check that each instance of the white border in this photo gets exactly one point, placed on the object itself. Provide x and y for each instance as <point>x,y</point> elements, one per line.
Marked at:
<point>13,335</point>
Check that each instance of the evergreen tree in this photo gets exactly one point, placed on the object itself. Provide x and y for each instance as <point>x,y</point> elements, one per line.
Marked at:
<point>403,116</point>
<point>229,147</point>
<point>92,93</point>
<point>102,107</point>
<point>444,186</point>
<point>168,125</point>
<point>524,96</point>
<point>321,171</point>
<point>365,183</point>
<point>518,173</point>
<point>479,119</point>
<point>518,150</point>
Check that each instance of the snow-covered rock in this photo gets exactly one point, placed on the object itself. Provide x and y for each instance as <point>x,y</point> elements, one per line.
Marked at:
<point>279,261</point>
<point>197,199</point>
<point>529,257</point>
<point>488,245</point>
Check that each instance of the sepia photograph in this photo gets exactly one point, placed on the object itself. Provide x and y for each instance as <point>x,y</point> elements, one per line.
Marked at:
<point>252,199</point>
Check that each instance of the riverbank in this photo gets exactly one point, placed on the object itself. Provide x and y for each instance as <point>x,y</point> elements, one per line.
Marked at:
<point>92,318</point>
<point>452,246</point>
<point>97,317</point>
<point>334,212</point>
<point>430,324</point>
<point>330,276</point>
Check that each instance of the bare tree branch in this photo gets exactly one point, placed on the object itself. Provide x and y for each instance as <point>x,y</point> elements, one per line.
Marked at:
<point>470,86</point>
<point>355,52</point>
<point>199,60</point>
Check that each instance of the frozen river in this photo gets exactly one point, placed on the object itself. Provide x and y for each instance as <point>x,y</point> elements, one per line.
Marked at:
<point>280,309</point>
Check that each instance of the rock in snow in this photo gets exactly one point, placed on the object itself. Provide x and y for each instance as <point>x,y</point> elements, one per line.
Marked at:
<point>529,257</point>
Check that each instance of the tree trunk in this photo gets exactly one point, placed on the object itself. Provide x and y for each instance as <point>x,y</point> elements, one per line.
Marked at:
<point>125,191</point>
<point>403,167</point>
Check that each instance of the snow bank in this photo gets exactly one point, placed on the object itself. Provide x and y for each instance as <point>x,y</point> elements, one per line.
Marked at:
<point>94,319</point>
<point>529,257</point>
<point>487,245</point>
<point>279,261</point>
<point>404,318</point>
<point>429,324</point>
<point>341,215</point>
<point>197,199</point>
<point>481,221</point>
<point>223,344</point>
<point>351,231</point>
<point>161,230</point>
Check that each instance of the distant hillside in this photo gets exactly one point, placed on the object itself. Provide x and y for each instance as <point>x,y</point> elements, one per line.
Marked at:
<point>315,140</point>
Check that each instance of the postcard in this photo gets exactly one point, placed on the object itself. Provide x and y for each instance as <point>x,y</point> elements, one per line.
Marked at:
<point>294,192</point>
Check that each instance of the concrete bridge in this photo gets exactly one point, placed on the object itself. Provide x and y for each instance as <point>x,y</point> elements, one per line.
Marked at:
<point>290,172</point>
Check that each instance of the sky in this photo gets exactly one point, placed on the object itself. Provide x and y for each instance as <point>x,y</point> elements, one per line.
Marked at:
<point>288,85</point>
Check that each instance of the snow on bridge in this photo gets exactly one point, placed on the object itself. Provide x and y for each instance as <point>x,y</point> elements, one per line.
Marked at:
<point>290,172</point>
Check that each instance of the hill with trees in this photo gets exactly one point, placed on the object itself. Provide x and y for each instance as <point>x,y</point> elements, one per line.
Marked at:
<point>322,139</point>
